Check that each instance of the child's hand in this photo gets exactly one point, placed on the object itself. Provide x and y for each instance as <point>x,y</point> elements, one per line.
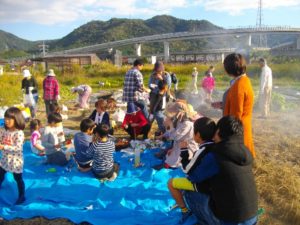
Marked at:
<point>183,144</point>
<point>126,126</point>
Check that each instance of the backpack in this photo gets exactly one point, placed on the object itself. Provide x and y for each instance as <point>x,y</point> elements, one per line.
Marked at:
<point>174,78</point>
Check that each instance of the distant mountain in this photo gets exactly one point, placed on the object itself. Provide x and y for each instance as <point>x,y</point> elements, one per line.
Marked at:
<point>96,32</point>
<point>9,41</point>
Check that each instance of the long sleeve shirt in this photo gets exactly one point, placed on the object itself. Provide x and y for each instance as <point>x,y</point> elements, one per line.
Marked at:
<point>51,88</point>
<point>265,78</point>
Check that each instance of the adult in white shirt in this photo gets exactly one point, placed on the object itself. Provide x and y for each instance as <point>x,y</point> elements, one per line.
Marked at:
<point>194,80</point>
<point>265,93</point>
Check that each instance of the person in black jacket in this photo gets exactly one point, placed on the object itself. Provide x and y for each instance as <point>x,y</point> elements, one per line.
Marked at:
<point>30,92</point>
<point>226,174</point>
<point>204,130</point>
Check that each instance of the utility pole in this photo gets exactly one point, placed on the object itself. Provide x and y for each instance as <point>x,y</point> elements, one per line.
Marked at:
<point>43,49</point>
<point>259,24</point>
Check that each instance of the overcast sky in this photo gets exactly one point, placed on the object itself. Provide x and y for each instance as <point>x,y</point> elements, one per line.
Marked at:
<point>45,19</point>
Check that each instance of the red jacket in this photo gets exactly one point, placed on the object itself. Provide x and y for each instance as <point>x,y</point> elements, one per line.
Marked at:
<point>137,117</point>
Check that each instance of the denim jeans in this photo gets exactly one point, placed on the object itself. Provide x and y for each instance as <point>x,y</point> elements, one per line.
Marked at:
<point>159,117</point>
<point>198,204</point>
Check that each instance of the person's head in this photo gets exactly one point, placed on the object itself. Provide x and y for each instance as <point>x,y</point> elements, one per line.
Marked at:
<point>159,67</point>
<point>101,105</point>
<point>262,62</point>
<point>138,63</point>
<point>102,130</point>
<point>14,119</point>
<point>131,108</point>
<point>211,68</point>
<point>54,119</point>
<point>235,64</point>
<point>177,111</point>
<point>204,129</point>
<point>50,73</point>
<point>195,69</point>
<point>35,124</point>
<point>54,107</point>
<point>228,126</point>
<point>26,73</point>
<point>87,126</point>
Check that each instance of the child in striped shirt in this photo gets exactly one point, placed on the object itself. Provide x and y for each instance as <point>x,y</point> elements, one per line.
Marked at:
<point>102,151</point>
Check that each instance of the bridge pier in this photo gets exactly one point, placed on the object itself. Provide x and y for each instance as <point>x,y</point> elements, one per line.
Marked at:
<point>249,41</point>
<point>298,43</point>
<point>138,50</point>
<point>166,51</point>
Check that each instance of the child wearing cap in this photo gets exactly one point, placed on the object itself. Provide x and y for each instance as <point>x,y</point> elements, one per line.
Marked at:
<point>135,123</point>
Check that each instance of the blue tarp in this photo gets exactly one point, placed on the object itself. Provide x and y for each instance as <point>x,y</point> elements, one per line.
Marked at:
<point>137,196</point>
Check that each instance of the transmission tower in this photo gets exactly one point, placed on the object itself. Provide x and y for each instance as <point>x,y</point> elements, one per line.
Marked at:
<point>262,42</point>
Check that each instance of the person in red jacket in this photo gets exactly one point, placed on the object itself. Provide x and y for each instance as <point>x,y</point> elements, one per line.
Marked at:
<point>135,123</point>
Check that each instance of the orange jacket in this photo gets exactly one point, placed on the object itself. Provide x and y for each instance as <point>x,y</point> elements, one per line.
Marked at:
<point>239,103</point>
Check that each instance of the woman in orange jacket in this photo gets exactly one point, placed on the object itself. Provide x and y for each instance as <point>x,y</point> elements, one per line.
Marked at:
<point>240,97</point>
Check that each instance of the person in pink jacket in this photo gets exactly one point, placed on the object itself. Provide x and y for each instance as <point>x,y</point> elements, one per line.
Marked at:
<point>208,83</point>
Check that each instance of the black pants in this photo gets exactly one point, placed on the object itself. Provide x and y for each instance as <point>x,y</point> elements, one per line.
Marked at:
<point>18,178</point>
<point>144,132</point>
<point>47,105</point>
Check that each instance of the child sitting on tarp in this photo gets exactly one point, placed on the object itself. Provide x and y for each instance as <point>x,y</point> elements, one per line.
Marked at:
<point>82,141</point>
<point>100,114</point>
<point>102,151</point>
<point>50,140</point>
<point>35,139</point>
<point>135,122</point>
<point>181,129</point>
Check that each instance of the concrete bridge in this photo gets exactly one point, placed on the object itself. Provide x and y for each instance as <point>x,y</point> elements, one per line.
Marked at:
<point>169,37</point>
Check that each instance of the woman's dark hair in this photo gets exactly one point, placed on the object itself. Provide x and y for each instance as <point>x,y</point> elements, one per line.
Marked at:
<point>54,118</point>
<point>102,130</point>
<point>235,64</point>
<point>86,124</point>
<point>15,114</point>
<point>34,124</point>
<point>206,127</point>
<point>229,126</point>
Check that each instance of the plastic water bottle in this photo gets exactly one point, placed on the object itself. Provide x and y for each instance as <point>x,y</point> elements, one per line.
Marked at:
<point>137,156</point>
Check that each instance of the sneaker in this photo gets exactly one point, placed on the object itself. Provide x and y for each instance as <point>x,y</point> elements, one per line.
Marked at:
<point>185,216</point>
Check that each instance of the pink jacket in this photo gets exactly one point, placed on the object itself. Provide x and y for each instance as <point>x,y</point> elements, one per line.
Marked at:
<point>208,83</point>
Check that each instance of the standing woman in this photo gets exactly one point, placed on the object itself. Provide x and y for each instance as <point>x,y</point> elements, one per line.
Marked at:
<point>30,92</point>
<point>240,97</point>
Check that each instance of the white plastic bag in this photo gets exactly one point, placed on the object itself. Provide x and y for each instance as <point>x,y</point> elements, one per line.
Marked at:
<point>118,115</point>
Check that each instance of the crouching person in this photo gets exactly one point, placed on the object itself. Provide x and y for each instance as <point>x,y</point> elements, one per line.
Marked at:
<point>226,172</point>
<point>102,150</point>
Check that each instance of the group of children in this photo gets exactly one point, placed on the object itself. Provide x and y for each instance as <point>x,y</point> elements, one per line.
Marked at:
<point>217,164</point>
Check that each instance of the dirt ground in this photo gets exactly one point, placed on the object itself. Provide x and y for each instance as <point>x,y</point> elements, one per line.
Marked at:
<point>277,171</point>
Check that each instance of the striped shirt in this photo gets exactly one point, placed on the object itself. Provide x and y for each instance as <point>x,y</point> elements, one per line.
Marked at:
<point>102,154</point>
<point>133,82</point>
<point>51,88</point>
